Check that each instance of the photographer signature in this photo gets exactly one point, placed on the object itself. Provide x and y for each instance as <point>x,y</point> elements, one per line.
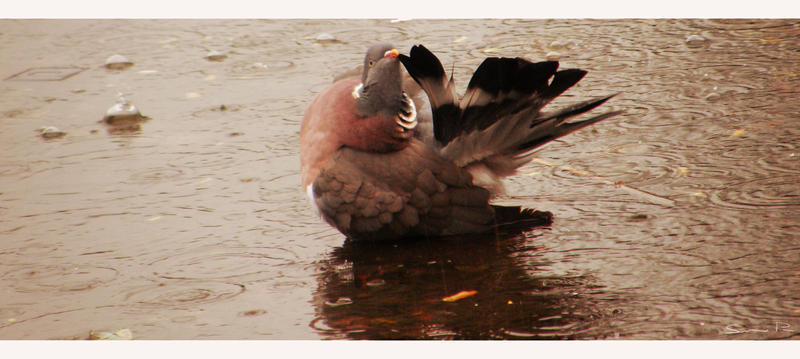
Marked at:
<point>741,329</point>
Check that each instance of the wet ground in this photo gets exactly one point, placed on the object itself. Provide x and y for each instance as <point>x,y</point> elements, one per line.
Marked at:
<point>679,219</point>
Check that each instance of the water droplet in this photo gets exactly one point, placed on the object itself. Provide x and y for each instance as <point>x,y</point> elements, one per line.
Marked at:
<point>376,283</point>
<point>123,117</point>
<point>121,110</point>
<point>122,334</point>
<point>51,132</point>
<point>118,62</point>
<point>216,56</point>
<point>326,38</point>
<point>553,56</point>
<point>696,40</point>
<point>339,302</point>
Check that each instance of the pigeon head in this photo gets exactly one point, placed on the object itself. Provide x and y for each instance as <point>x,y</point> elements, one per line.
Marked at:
<point>381,82</point>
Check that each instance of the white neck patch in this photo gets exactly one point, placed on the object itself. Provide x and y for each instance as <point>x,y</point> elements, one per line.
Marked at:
<point>357,91</point>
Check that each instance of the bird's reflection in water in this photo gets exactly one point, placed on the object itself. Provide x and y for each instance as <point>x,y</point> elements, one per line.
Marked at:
<point>395,291</point>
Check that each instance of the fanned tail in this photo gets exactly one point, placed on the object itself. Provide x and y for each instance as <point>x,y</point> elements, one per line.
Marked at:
<point>498,122</point>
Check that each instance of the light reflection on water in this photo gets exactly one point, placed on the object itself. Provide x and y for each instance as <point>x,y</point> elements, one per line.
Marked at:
<point>195,227</point>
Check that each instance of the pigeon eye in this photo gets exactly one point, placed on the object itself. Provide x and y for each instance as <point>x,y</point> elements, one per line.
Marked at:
<point>371,62</point>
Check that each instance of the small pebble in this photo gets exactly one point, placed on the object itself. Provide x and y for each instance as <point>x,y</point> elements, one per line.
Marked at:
<point>216,56</point>
<point>118,62</point>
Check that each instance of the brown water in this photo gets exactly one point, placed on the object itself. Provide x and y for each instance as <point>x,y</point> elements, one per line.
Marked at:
<point>195,226</point>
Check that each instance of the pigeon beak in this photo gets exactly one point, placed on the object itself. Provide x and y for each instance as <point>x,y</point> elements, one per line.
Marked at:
<point>393,53</point>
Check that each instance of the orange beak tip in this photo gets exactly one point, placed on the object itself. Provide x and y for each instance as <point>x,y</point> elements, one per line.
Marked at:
<point>393,53</point>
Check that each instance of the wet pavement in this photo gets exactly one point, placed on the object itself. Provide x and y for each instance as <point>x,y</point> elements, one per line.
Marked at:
<point>679,219</point>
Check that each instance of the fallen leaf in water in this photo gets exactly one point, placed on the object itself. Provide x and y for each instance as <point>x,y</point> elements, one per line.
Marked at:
<point>773,40</point>
<point>682,171</point>
<point>460,295</point>
<point>193,95</point>
<point>738,133</point>
<point>460,39</point>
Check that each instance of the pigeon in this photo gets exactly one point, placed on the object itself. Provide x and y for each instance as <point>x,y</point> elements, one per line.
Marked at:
<point>395,153</point>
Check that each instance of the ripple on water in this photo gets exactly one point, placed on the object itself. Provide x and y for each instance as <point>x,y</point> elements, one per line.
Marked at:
<point>245,70</point>
<point>215,262</point>
<point>769,156</point>
<point>64,277</point>
<point>184,293</point>
<point>156,175</point>
<point>14,169</point>
<point>763,193</point>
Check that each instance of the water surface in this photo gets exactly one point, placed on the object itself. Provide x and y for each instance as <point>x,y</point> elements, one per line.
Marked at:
<point>679,219</point>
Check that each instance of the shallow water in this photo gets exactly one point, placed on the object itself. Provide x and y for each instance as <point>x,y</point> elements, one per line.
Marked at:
<point>679,219</point>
